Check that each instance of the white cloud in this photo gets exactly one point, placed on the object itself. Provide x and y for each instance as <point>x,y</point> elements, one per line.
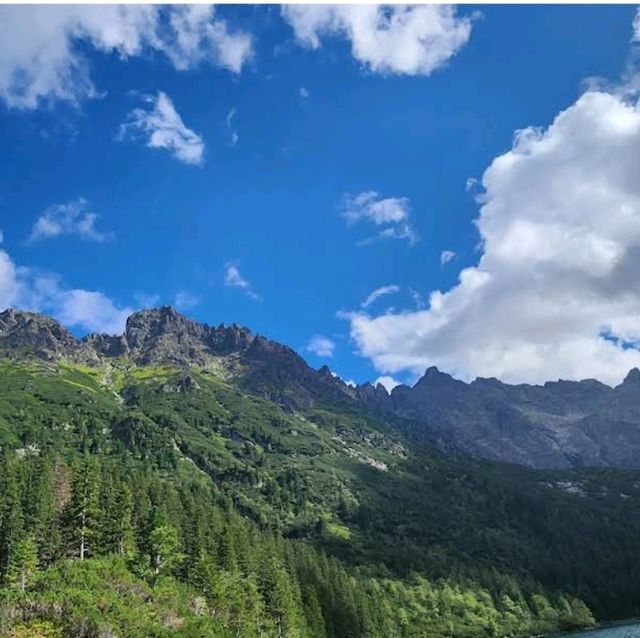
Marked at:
<point>560,229</point>
<point>446,256</point>
<point>379,292</point>
<point>233,279</point>
<point>233,132</point>
<point>199,37</point>
<point>162,127</point>
<point>387,382</point>
<point>636,27</point>
<point>400,39</point>
<point>73,218</point>
<point>304,93</point>
<point>392,214</point>
<point>87,309</point>
<point>40,45</point>
<point>321,346</point>
<point>10,281</point>
<point>22,287</point>
<point>185,300</point>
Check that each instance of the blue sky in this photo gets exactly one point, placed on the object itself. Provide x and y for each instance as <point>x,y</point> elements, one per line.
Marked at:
<point>306,175</point>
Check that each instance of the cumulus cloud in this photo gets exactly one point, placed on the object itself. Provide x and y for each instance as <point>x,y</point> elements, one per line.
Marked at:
<point>555,293</point>
<point>160,126</point>
<point>446,256</point>
<point>379,292</point>
<point>11,285</point>
<point>321,346</point>
<point>304,93</point>
<point>399,39</point>
<point>41,55</point>
<point>234,279</point>
<point>390,214</point>
<point>73,218</point>
<point>87,309</point>
<point>387,382</point>
<point>90,310</point>
<point>198,36</point>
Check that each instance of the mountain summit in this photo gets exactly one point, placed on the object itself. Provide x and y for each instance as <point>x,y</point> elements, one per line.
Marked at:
<point>164,336</point>
<point>159,336</point>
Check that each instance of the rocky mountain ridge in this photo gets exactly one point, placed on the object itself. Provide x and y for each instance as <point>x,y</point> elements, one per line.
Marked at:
<point>164,337</point>
<point>559,424</point>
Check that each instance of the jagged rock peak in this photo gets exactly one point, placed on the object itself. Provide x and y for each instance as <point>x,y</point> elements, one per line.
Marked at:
<point>164,335</point>
<point>12,319</point>
<point>159,335</point>
<point>633,376</point>
<point>433,377</point>
<point>26,333</point>
<point>153,324</point>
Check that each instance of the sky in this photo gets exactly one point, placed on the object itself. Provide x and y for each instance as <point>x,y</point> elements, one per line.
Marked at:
<point>381,188</point>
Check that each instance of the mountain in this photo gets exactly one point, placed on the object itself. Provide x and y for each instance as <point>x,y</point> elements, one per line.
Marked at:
<point>164,337</point>
<point>559,424</point>
<point>196,481</point>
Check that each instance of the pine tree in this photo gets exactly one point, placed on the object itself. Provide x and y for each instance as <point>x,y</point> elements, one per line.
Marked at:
<point>82,514</point>
<point>23,563</point>
<point>164,548</point>
<point>11,515</point>
<point>116,532</point>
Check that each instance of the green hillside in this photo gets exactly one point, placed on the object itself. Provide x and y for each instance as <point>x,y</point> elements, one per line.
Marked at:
<point>157,501</point>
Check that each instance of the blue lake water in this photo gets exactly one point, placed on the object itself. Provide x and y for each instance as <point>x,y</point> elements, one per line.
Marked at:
<point>617,631</point>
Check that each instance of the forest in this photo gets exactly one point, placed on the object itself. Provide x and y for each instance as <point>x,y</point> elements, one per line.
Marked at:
<point>148,506</point>
<point>90,545</point>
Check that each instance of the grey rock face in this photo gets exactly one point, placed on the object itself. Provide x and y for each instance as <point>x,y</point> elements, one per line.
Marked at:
<point>29,334</point>
<point>561,424</point>
<point>280,374</point>
<point>165,337</point>
<point>108,345</point>
<point>376,396</point>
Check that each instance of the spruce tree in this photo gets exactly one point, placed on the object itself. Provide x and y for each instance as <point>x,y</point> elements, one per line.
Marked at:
<point>164,548</point>
<point>82,514</point>
<point>23,563</point>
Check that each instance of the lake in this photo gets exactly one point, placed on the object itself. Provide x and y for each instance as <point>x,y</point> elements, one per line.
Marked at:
<point>615,631</point>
